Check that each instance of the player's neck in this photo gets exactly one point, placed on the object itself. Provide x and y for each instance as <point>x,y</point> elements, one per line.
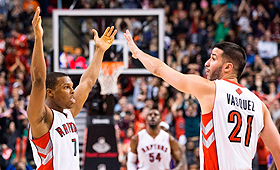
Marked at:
<point>153,132</point>
<point>53,106</point>
<point>230,77</point>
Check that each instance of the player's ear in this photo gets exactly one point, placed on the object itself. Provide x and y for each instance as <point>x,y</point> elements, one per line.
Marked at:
<point>50,92</point>
<point>228,67</point>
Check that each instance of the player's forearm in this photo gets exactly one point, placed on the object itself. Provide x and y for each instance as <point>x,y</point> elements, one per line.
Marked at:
<point>179,159</point>
<point>91,73</point>
<point>38,65</point>
<point>151,63</point>
<point>179,165</point>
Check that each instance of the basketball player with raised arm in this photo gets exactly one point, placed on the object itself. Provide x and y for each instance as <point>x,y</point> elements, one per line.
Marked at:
<point>232,116</point>
<point>54,104</point>
<point>153,147</point>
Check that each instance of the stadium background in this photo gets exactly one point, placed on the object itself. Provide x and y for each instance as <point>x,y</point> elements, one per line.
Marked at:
<point>191,30</point>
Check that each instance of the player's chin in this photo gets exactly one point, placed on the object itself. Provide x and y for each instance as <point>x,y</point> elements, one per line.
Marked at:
<point>208,77</point>
<point>153,123</point>
<point>70,105</point>
<point>153,126</point>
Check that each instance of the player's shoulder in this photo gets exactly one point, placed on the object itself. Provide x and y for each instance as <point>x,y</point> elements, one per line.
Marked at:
<point>171,138</point>
<point>134,138</point>
<point>142,132</point>
<point>173,143</point>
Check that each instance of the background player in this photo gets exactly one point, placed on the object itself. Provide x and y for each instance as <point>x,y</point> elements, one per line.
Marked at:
<point>229,129</point>
<point>54,103</point>
<point>153,147</point>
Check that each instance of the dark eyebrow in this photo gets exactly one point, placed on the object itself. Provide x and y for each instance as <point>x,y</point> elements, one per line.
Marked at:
<point>67,84</point>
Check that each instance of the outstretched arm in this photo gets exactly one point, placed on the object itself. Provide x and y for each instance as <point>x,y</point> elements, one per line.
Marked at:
<point>185,83</point>
<point>36,111</point>
<point>89,77</point>
<point>271,137</point>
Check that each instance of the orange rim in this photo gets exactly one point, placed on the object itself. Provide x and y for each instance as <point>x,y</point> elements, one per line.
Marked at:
<point>109,67</point>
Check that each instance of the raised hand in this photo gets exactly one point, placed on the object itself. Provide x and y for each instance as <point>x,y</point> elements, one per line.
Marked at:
<point>37,24</point>
<point>132,46</point>
<point>106,40</point>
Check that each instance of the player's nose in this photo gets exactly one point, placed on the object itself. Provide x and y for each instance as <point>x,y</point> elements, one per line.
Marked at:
<point>72,91</point>
<point>207,63</point>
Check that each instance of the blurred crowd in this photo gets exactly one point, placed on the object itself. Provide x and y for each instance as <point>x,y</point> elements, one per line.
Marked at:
<point>191,30</point>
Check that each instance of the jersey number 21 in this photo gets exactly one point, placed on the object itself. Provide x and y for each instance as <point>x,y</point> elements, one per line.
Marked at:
<point>235,117</point>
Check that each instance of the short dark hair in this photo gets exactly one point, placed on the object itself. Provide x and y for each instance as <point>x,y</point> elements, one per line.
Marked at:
<point>235,54</point>
<point>51,79</point>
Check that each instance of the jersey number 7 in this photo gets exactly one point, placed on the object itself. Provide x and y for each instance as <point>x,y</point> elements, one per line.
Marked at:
<point>236,116</point>
<point>75,148</point>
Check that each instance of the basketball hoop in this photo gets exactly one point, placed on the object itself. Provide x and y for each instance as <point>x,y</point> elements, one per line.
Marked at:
<point>108,77</point>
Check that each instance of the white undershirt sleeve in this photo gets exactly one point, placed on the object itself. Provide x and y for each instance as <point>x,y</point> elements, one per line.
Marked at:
<point>131,161</point>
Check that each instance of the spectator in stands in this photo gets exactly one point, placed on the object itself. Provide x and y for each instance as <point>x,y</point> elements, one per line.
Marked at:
<point>222,24</point>
<point>274,109</point>
<point>259,86</point>
<point>87,25</point>
<point>28,14</point>
<point>121,105</point>
<point>271,10</point>
<point>3,90</point>
<point>267,49</point>
<point>121,25</point>
<point>179,123</point>
<point>258,29</point>
<point>192,118</point>
<point>2,42</point>
<point>243,15</point>
<point>260,66</point>
<point>250,55</point>
<point>162,98</point>
<point>271,96</point>
<point>14,63</point>
<point>233,37</point>
<point>11,136</point>
<point>140,93</point>
<point>181,24</point>
<point>5,155</point>
<point>274,27</point>
<point>202,37</point>
<point>19,165</point>
<point>19,41</point>
<point>15,11</point>
<point>260,14</point>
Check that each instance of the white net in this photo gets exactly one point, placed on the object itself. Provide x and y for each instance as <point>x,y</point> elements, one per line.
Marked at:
<point>108,77</point>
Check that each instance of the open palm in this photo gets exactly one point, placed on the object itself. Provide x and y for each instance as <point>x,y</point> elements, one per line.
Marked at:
<point>131,45</point>
<point>107,38</point>
<point>37,23</point>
